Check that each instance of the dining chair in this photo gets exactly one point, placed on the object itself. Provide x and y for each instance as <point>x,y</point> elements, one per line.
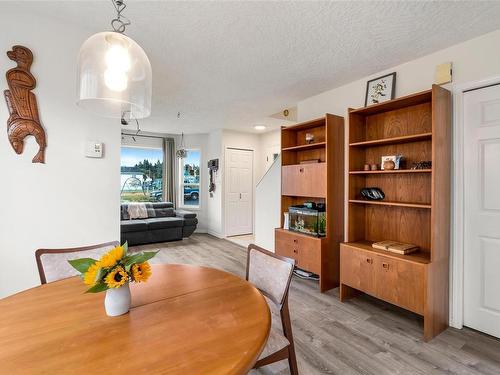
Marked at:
<point>53,263</point>
<point>271,274</point>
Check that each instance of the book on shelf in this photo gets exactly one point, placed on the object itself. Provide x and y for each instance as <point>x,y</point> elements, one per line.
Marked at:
<point>395,247</point>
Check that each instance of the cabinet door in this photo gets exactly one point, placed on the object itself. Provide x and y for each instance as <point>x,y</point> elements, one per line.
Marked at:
<point>356,269</point>
<point>304,180</point>
<point>309,250</point>
<point>401,283</point>
<point>315,179</point>
<point>289,180</point>
<point>286,245</point>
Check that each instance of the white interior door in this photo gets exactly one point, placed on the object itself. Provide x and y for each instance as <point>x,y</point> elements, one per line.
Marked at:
<point>482,210</point>
<point>239,192</point>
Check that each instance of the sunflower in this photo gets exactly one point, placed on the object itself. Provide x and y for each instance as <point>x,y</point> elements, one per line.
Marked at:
<point>90,276</point>
<point>112,257</point>
<point>141,272</point>
<point>116,278</point>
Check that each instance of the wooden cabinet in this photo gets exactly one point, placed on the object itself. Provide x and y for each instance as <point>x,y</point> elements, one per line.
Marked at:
<point>416,207</point>
<point>304,180</point>
<point>313,171</point>
<point>304,249</point>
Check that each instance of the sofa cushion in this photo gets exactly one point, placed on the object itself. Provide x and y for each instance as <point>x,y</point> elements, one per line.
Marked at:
<point>164,222</point>
<point>164,212</point>
<point>133,225</point>
<point>190,222</point>
<point>124,212</point>
<point>157,205</point>
<point>185,214</point>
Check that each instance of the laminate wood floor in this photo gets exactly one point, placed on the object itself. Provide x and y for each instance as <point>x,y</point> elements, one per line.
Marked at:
<point>361,336</point>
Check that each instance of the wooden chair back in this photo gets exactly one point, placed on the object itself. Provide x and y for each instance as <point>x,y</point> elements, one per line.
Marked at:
<point>53,263</point>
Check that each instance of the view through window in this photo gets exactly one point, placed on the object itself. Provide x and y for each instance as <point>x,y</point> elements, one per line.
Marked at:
<point>190,179</point>
<point>141,174</point>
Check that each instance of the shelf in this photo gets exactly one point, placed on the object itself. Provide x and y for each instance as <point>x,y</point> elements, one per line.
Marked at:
<point>416,257</point>
<point>393,140</point>
<point>309,146</point>
<point>405,101</point>
<point>388,203</point>
<point>306,125</point>
<point>393,171</point>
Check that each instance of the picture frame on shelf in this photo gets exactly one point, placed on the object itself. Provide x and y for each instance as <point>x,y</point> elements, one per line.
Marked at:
<point>380,89</point>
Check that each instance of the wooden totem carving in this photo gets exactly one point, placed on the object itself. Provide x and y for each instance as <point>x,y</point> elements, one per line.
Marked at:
<point>23,108</point>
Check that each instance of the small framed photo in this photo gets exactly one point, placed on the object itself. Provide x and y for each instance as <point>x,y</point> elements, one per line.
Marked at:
<point>391,162</point>
<point>380,89</point>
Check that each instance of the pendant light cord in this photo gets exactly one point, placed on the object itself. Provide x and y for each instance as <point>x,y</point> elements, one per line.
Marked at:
<point>120,22</point>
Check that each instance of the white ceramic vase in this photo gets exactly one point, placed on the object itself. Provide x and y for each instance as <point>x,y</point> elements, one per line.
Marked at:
<point>117,301</point>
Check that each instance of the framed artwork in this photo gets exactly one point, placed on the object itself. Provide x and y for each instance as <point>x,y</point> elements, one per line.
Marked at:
<point>380,89</point>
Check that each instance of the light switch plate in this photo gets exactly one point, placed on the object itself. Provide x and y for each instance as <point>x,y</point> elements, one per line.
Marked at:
<point>443,74</point>
<point>94,149</point>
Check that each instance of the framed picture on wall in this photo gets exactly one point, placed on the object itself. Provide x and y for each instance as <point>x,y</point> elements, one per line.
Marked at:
<point>381,89</point>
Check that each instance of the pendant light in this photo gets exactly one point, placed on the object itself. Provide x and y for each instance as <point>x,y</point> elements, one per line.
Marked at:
<point>181,153</point>
<point>114,72</point>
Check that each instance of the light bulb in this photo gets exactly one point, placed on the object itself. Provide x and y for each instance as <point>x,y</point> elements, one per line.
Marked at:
<point>117,57</point>
<point>116,80</point>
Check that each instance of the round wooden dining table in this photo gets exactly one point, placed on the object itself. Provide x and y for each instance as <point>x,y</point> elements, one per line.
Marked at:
<point>183,320</point>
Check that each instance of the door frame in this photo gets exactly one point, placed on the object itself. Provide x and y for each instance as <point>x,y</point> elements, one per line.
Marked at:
<point>226,184</point>
<point>457,302</point>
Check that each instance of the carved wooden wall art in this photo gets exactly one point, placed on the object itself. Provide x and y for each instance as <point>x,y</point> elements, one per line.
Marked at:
<point>22,105</point>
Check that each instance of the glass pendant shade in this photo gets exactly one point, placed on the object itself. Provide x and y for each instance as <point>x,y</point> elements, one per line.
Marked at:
<point>114,76</point>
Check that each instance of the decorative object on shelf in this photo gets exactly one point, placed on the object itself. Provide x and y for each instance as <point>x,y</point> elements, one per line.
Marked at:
<point>22,105</point>
<point>112,273</point>
<point>391,162</point>
<point>114,72</point>
<point>422,165</point>
<point>181,153</point>
<point>309,161</point>
<point>381,89</point>
<point>309,138</point>
<point>395,247</point>
<point>286,220</point>
<point>374,167</point>
<point>366,167</point>
<point>213,167</point>
<point>372,193</point>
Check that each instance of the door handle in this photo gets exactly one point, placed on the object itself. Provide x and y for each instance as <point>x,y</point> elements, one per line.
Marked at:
<point>301,170</point>
<point>295,241</point>
<point>385,266</point>
<point>369,260</point>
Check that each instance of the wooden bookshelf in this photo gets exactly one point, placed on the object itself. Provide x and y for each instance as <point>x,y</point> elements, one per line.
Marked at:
<point>322,182</point>
<point>416,207</point>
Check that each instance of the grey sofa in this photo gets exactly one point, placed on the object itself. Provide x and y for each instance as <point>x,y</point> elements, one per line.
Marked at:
<point>162,224</point>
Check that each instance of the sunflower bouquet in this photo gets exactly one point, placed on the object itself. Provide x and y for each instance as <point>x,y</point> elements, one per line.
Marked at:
<point>114,269</point>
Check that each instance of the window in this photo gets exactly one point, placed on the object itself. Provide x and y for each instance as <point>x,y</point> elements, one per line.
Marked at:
<point>141,174</point>
<point>190,179</point>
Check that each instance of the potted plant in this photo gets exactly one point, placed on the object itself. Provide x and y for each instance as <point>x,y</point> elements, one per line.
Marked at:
<point>112,273</point>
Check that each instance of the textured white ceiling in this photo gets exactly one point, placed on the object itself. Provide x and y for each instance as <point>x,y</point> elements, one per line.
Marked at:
<point>232,64</point>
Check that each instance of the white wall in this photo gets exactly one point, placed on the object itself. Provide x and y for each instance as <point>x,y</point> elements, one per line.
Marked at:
<point>71,200</point>
<point>214,202</point>
<point>270,143</point>
<point>267,206</point>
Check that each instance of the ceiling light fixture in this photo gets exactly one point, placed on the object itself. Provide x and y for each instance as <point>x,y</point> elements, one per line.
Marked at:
<point>259,127</point>
<point>114,72</point>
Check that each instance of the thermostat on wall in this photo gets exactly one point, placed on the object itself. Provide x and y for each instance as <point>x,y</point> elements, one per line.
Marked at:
<point>93,149</point>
